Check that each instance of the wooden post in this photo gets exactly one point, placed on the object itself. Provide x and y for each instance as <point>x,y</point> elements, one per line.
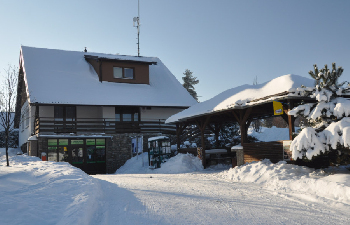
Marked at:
<point>180,127</point>
<point>201,124</point>
<point>217,130</point>
<point>178,136</point>
<point>242,121</point>
<point>203,148</point>
<point>290,119</point>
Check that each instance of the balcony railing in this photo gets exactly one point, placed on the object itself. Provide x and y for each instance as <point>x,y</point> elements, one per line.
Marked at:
<point>105,125</point>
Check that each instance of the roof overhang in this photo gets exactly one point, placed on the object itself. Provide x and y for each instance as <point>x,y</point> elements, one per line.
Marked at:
<point>254,103</point>
<point>97,58</point>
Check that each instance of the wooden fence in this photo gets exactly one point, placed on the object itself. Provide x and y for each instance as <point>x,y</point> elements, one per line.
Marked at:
<point>263,150</point>
<point>192,151</point>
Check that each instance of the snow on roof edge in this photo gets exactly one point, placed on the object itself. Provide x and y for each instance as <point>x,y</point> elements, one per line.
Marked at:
<point>243,96</point>
<point>164,89</point>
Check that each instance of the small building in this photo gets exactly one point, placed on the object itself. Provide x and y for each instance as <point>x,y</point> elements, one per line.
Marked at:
<point>159,151</point>
<point>244,104</point>
<point>85,108</point>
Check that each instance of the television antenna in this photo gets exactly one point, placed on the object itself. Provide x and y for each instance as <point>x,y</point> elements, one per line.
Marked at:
<point>136,23</point>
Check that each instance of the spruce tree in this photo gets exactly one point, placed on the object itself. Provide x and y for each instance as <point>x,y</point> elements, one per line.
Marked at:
<point>329,116</point>
<point>189,82</point>
<point>256,124</point>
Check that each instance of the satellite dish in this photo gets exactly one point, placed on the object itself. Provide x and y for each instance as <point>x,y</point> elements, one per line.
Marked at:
<point>135,19</point>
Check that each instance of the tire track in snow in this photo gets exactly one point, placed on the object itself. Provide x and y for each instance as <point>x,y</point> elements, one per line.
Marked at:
<point>204,199</point>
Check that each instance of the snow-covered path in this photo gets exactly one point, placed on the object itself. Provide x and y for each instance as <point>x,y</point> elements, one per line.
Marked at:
<point>180,192</point>
<point>201,198</point>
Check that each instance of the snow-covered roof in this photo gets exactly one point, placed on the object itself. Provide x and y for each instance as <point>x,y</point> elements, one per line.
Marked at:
<point>245,95</point>
<point>157,138</point>
<point>65,77</point>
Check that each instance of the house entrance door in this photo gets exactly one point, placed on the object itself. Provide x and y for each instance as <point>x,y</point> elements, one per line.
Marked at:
<point>78,154</point>
<point>89,155</point>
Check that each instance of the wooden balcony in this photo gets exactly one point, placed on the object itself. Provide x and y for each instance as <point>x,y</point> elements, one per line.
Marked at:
<point>107,126</point>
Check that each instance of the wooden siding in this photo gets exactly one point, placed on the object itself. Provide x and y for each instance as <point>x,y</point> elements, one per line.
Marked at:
<point>104,69</point>
<point>263,150</point>
<point>108,126</point>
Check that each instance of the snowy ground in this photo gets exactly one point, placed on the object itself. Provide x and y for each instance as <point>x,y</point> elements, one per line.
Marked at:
<point>181,192</point>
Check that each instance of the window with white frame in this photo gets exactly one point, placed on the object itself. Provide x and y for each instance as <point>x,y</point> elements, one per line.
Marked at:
<point>27,117</point>
<point>22,121</point>
<point>123,73</point>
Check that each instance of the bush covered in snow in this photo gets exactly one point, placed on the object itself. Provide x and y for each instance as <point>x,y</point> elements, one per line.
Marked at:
<point>329,116</point>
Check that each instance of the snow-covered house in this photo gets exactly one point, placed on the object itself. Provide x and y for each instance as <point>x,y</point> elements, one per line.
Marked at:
<point>85,108</point>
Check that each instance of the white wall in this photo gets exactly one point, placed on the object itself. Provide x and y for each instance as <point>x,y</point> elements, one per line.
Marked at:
<point>46,111</point>
<point>24,130</point>
<point>109,112</point>
<point>156,113</point>
<point>89,112</point>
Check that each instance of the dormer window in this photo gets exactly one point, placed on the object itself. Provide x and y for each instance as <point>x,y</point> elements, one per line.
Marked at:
<point>123,73</point>
<point>119,70</point>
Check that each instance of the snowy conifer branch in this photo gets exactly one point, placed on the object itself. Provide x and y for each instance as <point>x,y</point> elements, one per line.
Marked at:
<point>329,116</point>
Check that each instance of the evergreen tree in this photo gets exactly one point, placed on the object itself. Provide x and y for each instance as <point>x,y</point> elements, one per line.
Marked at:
<point>189,82</point>
<point>256,124</point>
<point>329,117</point>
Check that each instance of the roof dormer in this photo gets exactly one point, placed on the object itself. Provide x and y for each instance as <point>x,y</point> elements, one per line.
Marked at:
<point>134,70</point>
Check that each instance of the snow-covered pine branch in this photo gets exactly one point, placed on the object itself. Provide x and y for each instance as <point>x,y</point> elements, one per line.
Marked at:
<point>329,116</point>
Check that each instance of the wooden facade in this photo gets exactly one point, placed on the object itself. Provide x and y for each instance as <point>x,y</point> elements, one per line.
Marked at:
<point>104,69</point>
<point>263,150</point>
<point>104,125</point>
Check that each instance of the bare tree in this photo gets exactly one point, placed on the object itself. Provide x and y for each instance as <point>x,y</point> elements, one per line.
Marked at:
<point>7,104</point>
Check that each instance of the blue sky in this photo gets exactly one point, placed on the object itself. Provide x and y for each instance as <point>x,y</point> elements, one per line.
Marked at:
<point>225,43</point>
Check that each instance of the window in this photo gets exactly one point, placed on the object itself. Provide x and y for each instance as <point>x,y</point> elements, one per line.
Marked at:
<point>126,114</point>
<point>64,113</point>
<point>27,117</point>
<point>57,150</point>
<point>22,121</point>
<point>65,117</point>
<point>123,73</point>
<point>96,150</point>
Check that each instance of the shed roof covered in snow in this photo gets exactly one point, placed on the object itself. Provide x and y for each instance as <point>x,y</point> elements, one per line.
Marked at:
<point>247,95</point>
<point>65,77</point>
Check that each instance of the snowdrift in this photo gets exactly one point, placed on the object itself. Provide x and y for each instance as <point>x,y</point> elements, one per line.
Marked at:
<point>332,183</point>
<point>37,192</point>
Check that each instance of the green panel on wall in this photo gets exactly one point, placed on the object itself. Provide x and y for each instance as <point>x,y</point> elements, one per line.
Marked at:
<point>52,142</point>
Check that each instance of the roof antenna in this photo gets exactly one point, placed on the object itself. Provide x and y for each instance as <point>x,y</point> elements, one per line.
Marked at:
<point>137,21</point>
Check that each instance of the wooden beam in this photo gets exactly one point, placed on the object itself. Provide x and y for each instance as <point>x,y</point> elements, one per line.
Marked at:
<point>201,124</point>
<point>244,115</point>
<point>178,136</point>
<point>247,114</point>
<point>291,120</point>
<point>235,115</point>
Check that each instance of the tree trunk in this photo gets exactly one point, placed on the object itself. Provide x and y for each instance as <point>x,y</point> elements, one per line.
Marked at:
<point>7,147</point>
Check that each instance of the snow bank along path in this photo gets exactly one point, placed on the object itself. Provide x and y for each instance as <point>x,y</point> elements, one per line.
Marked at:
<point>37,192</point>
